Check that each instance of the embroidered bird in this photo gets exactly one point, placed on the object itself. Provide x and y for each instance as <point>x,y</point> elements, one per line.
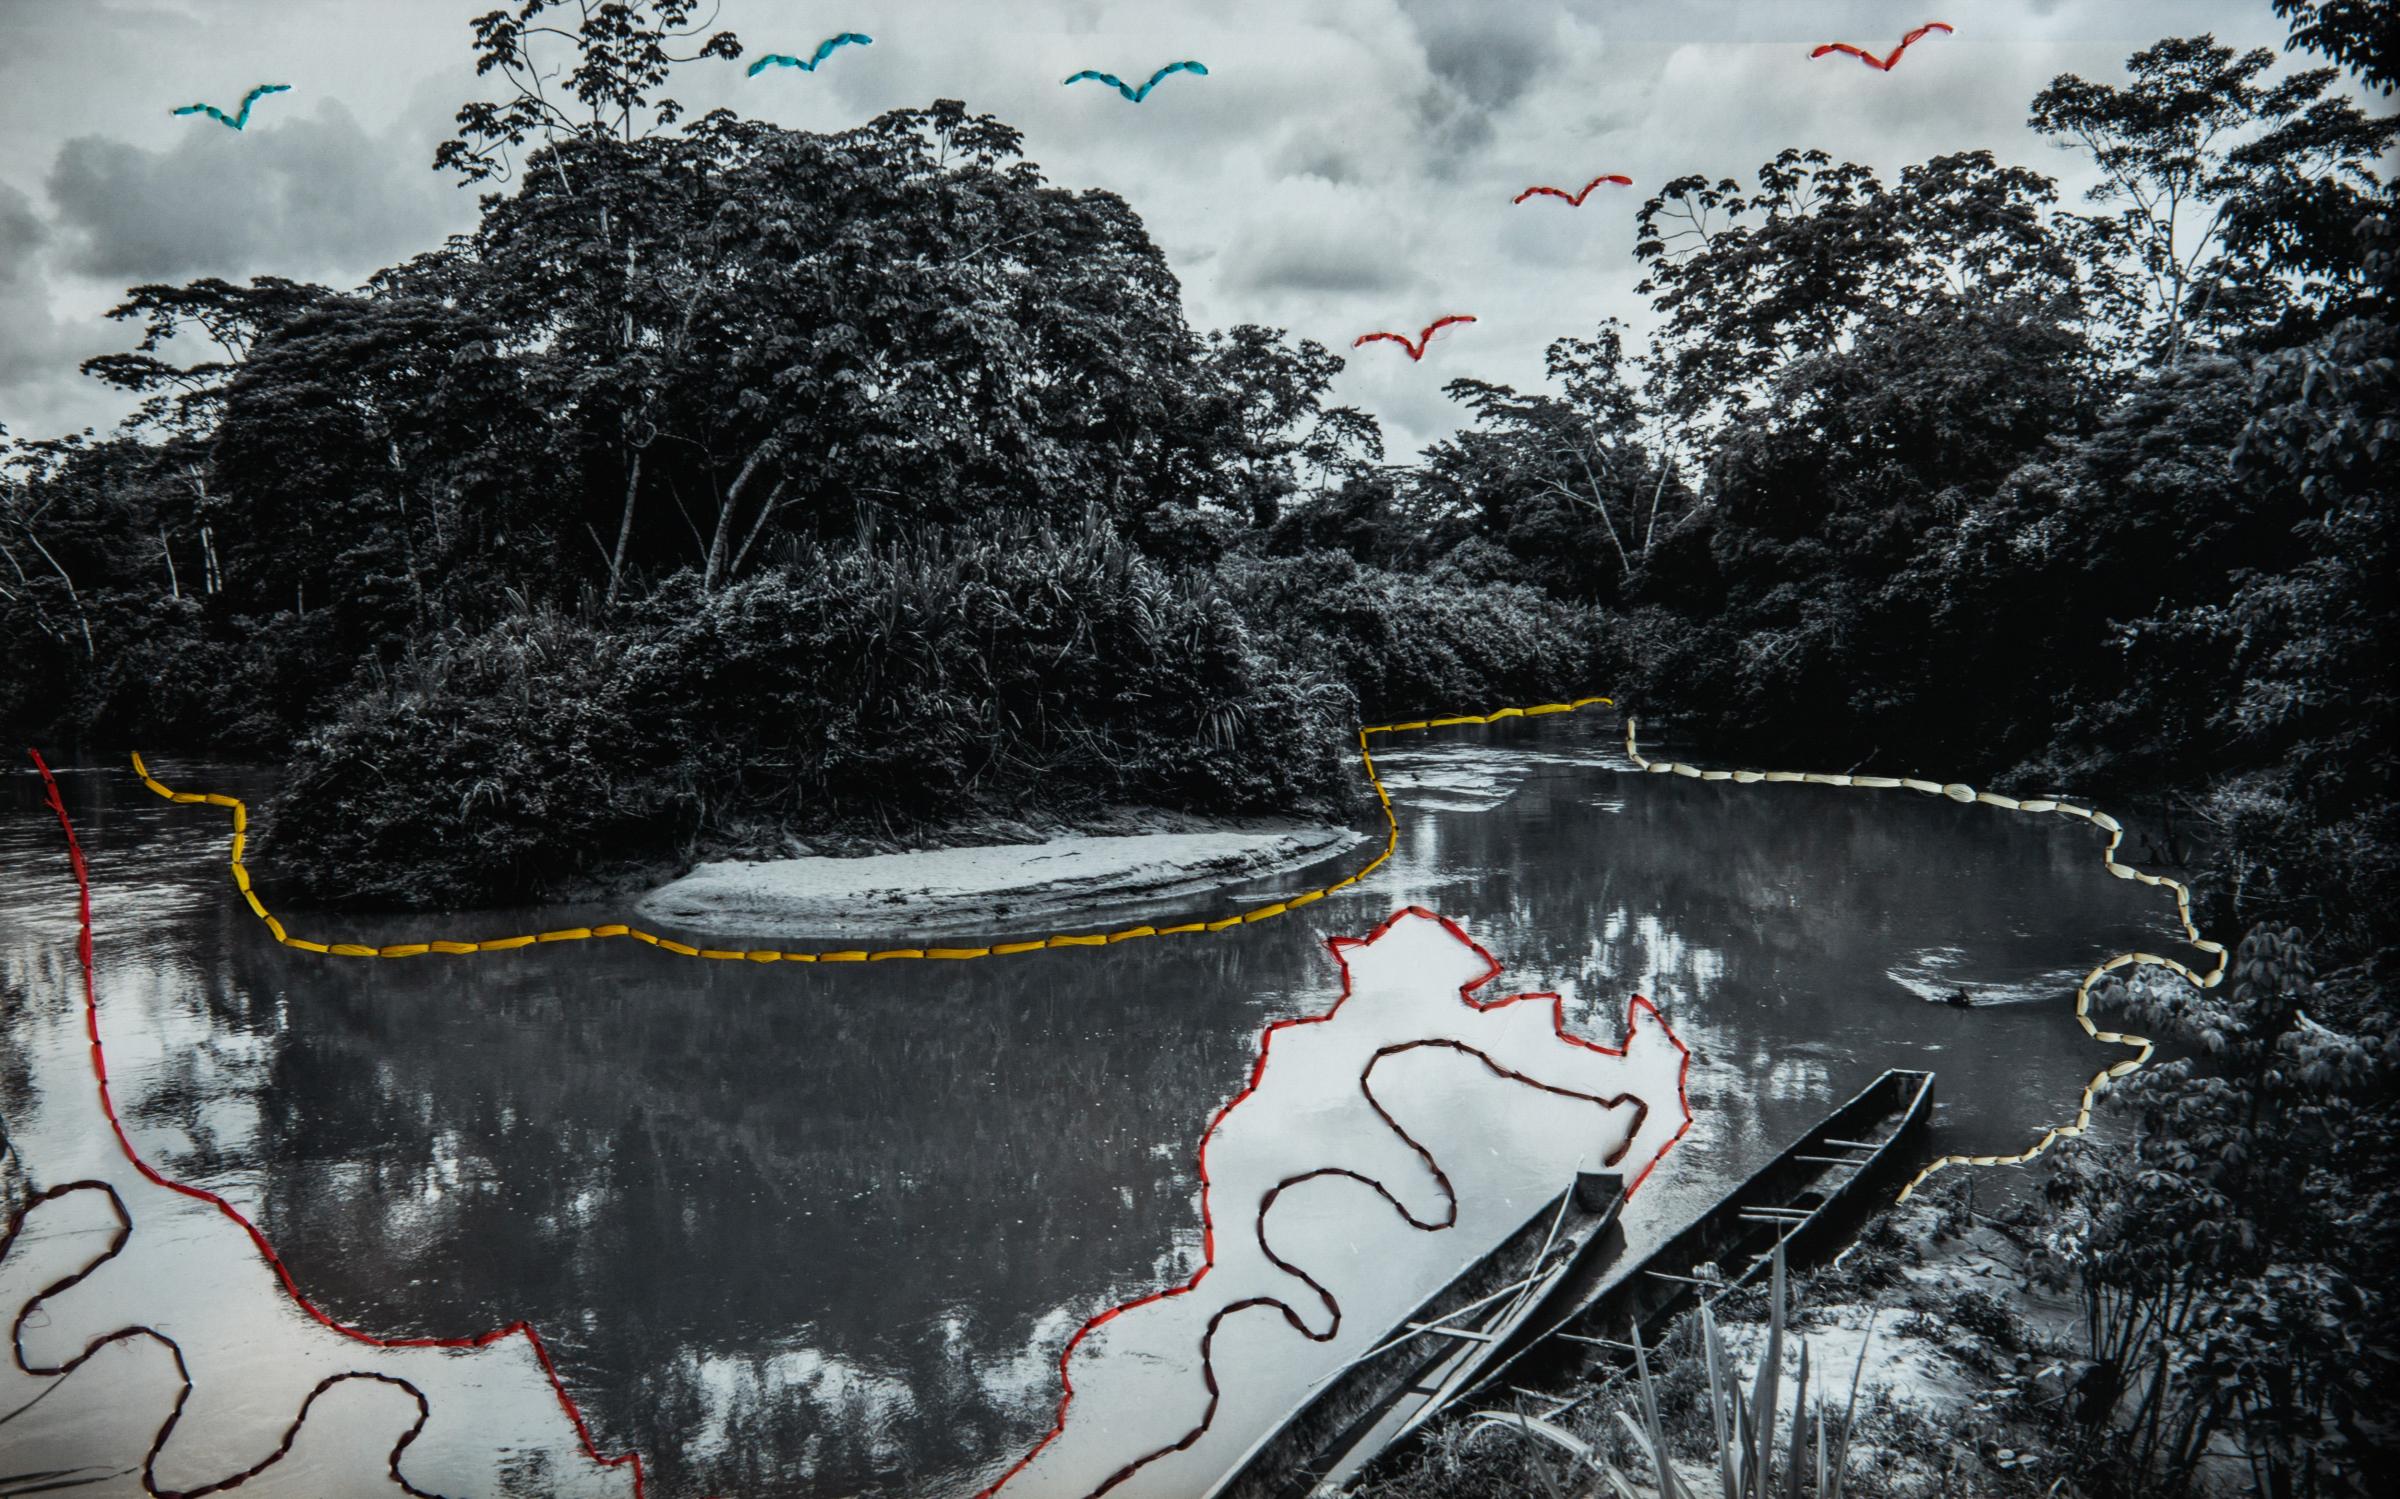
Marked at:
<point>1574,200</point>
<point>1881,64</point>
<point>1425,336</point>
<point>235,120</point>
<point>1137,95</point>
<point>824,50</point>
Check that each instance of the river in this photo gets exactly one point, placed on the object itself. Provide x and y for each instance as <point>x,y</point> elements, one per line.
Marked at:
<point>821,1231</point>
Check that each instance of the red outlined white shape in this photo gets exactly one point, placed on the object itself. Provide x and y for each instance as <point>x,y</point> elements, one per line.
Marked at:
<point>1377,1150</point>
<point>183,1273</point>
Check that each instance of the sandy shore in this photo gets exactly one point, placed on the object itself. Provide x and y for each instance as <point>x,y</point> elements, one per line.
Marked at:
<point>1015,887</point>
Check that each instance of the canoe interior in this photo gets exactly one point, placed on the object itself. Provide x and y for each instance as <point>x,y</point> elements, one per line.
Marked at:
<point>1369,1400</point>
<point>1609,1297</point>
<point>1893,1114</point>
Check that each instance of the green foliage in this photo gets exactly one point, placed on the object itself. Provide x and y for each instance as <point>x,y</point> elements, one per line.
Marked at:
<point>2143,514</point>
<point>728,474</point>
<point>1561,484</point>
<point>620,56</point>
<point>1988,1317</point>
<point>662,401</point>
<point>2361,35</point>
<point>1662,1414</point>
<point>231,317</point>
<point>1750,279</point>
<point>912,676</point>
<point>1893,434</point>
<point>2234,199</point>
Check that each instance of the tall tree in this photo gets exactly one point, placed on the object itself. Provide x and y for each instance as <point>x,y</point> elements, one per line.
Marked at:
<point>2233,195</point>
<point>1261,403</point>
<point>233,318</point>
<point>1750,279</point>
<point>1563,482</point>
<point>622,52</point>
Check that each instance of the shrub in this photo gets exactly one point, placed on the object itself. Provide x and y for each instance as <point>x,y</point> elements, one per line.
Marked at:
<point>1407,644</point>
<point>883,686</point>
<point>500,767</point>
<point>1988,1317</point>
<point>950,669</point>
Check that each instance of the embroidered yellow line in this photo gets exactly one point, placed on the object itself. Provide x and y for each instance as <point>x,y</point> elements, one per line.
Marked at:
<point>2083,991</point>
<point>1391,842</point>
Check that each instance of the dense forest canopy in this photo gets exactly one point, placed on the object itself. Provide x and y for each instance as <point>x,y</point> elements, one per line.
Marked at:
<point>1936,473</point>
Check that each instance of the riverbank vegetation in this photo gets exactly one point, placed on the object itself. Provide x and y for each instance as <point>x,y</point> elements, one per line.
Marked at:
<point>729,477</point>
<point>2200,1310</point>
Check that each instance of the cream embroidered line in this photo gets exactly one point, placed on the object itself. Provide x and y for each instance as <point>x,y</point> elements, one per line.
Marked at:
<point>1391,842</point>
<point>1954,791</point>
<point>2083,991</point>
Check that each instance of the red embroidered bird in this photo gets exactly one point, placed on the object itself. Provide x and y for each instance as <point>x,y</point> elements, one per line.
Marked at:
<point>1576,200</point>
<point>1424,335</point>
<point>1881,64</point>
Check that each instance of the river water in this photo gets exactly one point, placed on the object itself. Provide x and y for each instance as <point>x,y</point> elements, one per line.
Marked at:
<point>821,1231</point>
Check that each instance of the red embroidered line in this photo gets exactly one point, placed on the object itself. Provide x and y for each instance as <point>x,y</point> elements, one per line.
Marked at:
<point>183,1371</point>
<point>91,1011</point>
<point>1424,335</point>
<point>1881,64</point>
<point>1574,200</point>
<point>1208,1230</point>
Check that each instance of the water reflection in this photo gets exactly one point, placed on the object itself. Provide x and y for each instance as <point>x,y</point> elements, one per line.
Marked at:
<point>795,1231</point>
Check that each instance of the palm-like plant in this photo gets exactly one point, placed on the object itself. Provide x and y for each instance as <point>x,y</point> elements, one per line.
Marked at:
<point>1747,1463</point>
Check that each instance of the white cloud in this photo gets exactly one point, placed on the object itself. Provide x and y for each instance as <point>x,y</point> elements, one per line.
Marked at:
<point>304,196</point>
<point>1346,165</point>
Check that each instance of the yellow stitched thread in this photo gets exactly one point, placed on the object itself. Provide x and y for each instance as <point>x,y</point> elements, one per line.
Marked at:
<point>2083,991</point>
<point>1951,791</point>
<point>1391,841</point>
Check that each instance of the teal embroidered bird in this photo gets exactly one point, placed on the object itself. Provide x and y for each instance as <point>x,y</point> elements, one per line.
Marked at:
<point>1138,95</point>
<point>824,50</point>
<point>235,120</point>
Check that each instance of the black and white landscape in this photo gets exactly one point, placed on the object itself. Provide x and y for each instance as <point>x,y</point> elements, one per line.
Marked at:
<point>535,456</point>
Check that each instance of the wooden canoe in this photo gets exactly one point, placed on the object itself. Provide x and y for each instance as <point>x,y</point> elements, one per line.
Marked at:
<point>1439,1350</point>
<point>1813,1197</point>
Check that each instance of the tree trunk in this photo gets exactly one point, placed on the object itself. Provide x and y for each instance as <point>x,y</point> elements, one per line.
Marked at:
<point>408,536</point>
<point>715,566</point>
<point>768,507</point>
<point>1599,506</point>
<point>90,650</point>
<point>616,561</point>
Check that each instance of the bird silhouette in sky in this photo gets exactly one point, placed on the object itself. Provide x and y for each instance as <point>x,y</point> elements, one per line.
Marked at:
<point>824,50</point>
<point>1574,200</point>
<point>241,118</point>
<point>1424,336</point>
<point>1137,95</point>
<point>1881,64</point>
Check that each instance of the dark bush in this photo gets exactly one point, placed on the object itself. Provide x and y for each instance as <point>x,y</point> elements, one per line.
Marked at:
<point>1409,644</point>
<point>883,687</point>
<point>499,767</point>
<point>949,668</point>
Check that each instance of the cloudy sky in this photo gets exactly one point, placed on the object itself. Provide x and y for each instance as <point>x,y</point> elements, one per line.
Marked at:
<point>1347,165</point>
